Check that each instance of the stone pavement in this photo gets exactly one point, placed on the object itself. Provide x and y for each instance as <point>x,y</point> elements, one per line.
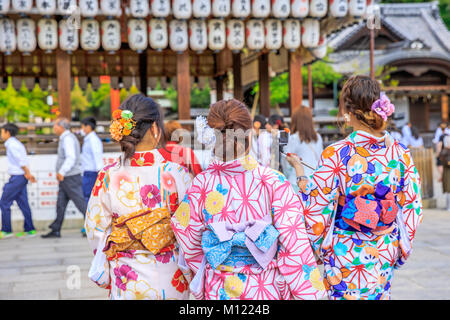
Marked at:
<point>37,268</point>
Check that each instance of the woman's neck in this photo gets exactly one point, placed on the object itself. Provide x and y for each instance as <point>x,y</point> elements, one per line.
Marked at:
<point>376,133</point>
<point>145,146</point>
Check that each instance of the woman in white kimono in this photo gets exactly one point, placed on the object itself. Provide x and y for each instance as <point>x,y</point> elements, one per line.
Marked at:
<point>128,216</point>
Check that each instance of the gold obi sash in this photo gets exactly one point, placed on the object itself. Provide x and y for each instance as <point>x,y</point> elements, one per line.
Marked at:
<point>142,230</point>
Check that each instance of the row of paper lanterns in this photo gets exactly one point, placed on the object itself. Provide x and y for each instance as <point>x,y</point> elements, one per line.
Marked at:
<point>186,9</point>
<point>179,35</point>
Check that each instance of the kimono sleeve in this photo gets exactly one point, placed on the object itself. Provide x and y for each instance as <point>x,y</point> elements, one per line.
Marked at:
<point>295,258</point>
<point>411,199</point>
<point>318,197</point>
<point>188,226</point>
<point>99,212</point>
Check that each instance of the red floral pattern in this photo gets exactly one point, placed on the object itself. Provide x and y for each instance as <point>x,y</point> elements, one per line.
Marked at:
<point>142,159</point>
<point>179,281</point>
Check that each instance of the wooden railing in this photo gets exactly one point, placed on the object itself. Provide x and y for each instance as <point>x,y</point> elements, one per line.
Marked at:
<point>423,160</point>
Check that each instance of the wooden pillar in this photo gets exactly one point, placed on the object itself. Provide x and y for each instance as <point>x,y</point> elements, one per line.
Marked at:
<point>264,92</point>
<point>183,86</point>
<point>63,80</point>
<point>372,49</point>
<point>295,80</point>
<point>310,88</point>
<point>143,72</point>
<point>219,88</point>
<point>237,77</point>
<point>444,107</point>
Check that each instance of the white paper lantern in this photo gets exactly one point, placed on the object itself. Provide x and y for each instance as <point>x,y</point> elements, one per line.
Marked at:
<point>111,40</point>
<point>160,8</point>
<point>178,35</point>
<point>22,6</point>
<point>90,35</point>
<point>67,7</point>
<point>137,34</point>
<point>357,8</point>
<point>47,34</point>
<point>68,37</point>
<point>321,51</point>
<point>182,9</point>
<point>241,8</point>
<point>7,36</point>
<point>281,8</point>
<point>26,35</point>
<point>260,8</point>
<point>292,39</point>
<point>221,8</point>
<point>198,35</point>
<point>201,8</point>
<point>310,33</point>
<point>88,8</point>
<point>158,35</point>
<point>46,7</point>
<point>235,35</point>
<point>216,34</point>
<point>300,8</point>
<point>4,6</point>
<point>139,8</point>
<point>255,34</point>
<point>318,8</point>
<point>338,8</point>
<point>274,34</point>
<point>111,8</point>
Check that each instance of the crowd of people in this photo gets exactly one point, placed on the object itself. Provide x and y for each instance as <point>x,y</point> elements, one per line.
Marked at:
<point>255,226</point>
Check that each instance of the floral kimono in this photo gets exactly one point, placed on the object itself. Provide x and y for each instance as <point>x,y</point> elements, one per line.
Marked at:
<point>362,207</point>
<point>128,218</point>
<point>241,232</point>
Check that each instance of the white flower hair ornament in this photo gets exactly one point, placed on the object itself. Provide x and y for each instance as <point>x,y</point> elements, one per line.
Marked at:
<point>205,134</point>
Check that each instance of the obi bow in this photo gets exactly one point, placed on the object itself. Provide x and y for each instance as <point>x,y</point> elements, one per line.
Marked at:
<point>223,240</point>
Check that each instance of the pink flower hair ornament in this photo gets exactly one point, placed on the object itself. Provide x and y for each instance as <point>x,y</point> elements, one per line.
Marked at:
<point>383,107</point>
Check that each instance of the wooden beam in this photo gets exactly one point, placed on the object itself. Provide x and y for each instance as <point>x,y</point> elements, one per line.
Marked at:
<point>143,72</point>
<point>372,49</point>
<point>183,86</point>
<point>295,80</point>
<point>219,88</point>
<point>425,88</point>
<point>264,91</point>
<point>63,80</point>
<point>237,77</point>
<point>444,107</point>
<point>310,88</point>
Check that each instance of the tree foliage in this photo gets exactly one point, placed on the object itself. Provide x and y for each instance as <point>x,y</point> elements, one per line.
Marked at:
<point>322,74</point>
<point>200,98</point>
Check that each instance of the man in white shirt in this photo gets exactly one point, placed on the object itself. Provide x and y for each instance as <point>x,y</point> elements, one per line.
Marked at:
<point>91,155</point>
<point>68,173</point>
<point>16,188</point>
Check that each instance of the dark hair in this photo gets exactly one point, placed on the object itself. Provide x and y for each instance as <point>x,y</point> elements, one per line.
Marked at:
<point>302,122</point>
<point>276,119</point>
<point>89,121</point>
<point>11,128</point>
<point>357,96</point>
<point>261,119</point>
<point>415,132</point>
<point>145,112</point>
<point>230,114</point>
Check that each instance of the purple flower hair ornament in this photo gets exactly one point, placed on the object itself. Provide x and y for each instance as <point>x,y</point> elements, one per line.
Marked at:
<point>383,107</point>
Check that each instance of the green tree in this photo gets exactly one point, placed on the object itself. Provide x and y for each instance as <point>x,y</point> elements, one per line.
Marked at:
<point>200,98</point>
<point>322,74</point>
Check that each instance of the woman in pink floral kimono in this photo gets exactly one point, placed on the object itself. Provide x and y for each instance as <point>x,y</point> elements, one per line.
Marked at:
<point>239,226</point>
<point>363,204</point>
<point>128,217</point>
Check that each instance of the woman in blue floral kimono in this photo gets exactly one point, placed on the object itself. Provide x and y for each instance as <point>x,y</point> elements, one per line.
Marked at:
<point>363,203</point>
